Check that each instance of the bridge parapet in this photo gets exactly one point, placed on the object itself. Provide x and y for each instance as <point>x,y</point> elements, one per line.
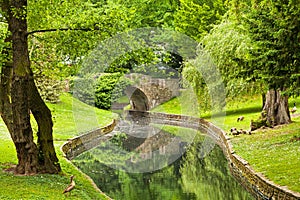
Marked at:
<point>147,92</point>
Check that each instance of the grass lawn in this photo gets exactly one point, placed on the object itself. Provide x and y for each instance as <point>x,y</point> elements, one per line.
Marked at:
<point>272,152</point>
<point>51,186</point>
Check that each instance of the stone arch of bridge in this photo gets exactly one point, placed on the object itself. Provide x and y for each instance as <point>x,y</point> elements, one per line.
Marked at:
<point>138,100</point>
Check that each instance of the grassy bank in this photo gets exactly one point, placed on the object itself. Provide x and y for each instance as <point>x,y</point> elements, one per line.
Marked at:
<point>273,152</point>
<point>51,186</point>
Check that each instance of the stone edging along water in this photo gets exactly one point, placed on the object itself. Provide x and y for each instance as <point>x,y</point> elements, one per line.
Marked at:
<point>255,183</point>
<point>77,145</point>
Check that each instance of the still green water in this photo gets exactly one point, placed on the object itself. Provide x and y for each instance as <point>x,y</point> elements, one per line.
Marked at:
<point>194,175</point>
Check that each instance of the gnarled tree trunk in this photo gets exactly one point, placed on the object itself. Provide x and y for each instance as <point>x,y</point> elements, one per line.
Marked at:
<point>276,108</point>
<point>48,160</point>
<point>22,134</point>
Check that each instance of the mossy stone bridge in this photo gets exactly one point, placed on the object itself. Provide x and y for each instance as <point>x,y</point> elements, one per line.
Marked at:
<point>147,92</point>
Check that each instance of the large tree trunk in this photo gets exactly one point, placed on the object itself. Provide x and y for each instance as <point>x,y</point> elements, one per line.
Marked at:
<point>22,134</point>
<point>47,156</point>
<point>276,108</point>
<point>19,95</point>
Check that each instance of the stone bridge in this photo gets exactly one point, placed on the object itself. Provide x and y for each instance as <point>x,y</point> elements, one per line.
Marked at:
<point>147,92</point>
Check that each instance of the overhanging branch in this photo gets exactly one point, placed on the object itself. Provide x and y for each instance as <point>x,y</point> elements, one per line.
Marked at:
<point>62,29</point>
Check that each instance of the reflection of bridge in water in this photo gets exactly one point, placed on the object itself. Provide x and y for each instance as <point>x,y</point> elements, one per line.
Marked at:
<point>148,140</point>
<point>145,135</point>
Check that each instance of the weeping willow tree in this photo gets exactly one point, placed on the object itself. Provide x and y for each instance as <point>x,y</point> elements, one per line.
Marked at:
<point>203,76</point>
<point>258,43</point>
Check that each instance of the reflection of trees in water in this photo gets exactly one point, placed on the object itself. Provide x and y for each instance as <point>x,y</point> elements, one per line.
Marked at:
<point>192,177</point>
<point>162,184</point>
<point>209,177</point>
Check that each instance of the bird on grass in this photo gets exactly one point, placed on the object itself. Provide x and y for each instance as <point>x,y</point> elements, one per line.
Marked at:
<point>241,118</point>
<point>71,186</point>
<point>294,109</point>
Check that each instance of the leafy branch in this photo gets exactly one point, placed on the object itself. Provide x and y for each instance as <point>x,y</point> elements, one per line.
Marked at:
<point>62,29</point>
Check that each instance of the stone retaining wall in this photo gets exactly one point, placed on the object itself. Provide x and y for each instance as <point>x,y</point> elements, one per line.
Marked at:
<point>258,185</point>
<point>82,143</point>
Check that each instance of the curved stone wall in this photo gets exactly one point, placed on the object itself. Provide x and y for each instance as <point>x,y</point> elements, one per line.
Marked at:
<point>254,182</point>
<point>82,143</point>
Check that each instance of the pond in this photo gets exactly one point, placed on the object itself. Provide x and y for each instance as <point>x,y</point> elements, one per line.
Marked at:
<point>144,168</point>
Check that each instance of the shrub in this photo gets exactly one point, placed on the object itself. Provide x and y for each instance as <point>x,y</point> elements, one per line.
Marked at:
<point>100,90</point>
<point>109,88</point>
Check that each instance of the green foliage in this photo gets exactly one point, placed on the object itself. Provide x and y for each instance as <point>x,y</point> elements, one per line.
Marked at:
<point>88,23</point>
<point>256,43</point>
<point>49,88</point>
<point>274,28</point>
<point>65,33</point>
<point>194,78</point>
<point>133,61</point>
<point>149,61</point>
<point>229,47</point>
<point>101,91</point>
<point>109,88</point>
<point>196,17</point>
<point>155,13</point>
<point>203,76</point>
<point>83,88</point>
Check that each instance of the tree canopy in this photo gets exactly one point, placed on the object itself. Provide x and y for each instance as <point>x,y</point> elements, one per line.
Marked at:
<point>274,29</point>
<point>195,18</point>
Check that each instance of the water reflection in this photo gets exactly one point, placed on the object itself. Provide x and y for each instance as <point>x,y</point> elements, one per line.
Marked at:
<point>191,176</point>
<point>209,177</point>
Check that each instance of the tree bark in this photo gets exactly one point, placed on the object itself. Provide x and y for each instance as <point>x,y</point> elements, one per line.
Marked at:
<point>47,156</point>
<point>22,134</point>
<point>263,99</point>
<point>276,108</point>
<point>5,87</point>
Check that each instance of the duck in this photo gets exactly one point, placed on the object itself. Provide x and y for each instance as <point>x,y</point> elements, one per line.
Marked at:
<point>234,131</point>
<point>294,109</point>
<point>241,118</point>
<point>71,186</point>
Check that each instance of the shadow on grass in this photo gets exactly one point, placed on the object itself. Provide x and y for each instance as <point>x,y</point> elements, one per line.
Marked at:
<point>241,111</point>
<point>255,109</point>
